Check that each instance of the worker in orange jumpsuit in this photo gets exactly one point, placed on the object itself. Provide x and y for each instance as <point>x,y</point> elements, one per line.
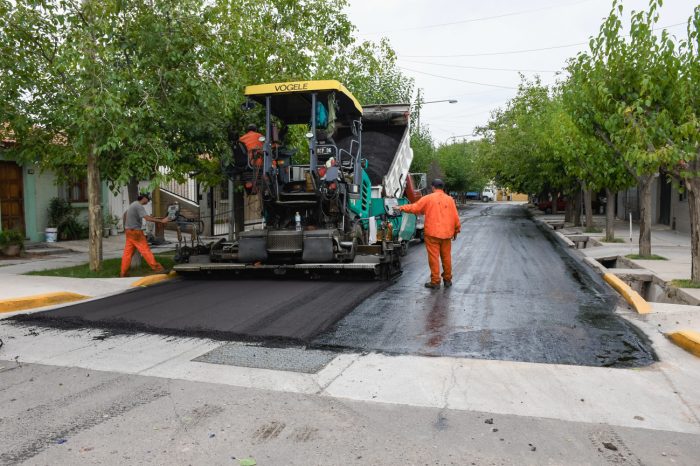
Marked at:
<point>135,238</point>
<point>441,227</point>
<point>251,140</point>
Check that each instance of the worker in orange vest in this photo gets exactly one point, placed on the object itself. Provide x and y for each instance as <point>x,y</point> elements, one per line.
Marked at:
<point>251,140</point>
<point>441,227</point>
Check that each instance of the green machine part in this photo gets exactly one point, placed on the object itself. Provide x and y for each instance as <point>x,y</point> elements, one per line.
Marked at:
<point>404,225</point>
<point>362,206</point>
<point>366,207</point>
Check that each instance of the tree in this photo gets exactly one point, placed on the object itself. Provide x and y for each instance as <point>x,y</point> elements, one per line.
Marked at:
<point>624,93</point>
<point>519,150</point>
<point>120,89</point>
<point>586,157</point>
<point>685,134</point>
<point>459,162</point>
<point>111,89</point>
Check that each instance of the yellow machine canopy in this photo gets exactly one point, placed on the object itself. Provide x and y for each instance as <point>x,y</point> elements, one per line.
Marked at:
<point>291,101</point>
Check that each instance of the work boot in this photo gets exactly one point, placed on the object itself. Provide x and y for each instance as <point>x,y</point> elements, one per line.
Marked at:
<point>448,283</point>
<point>432,285</point>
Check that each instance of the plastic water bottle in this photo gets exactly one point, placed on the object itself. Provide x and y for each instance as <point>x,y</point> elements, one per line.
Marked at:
<point>297,220</point>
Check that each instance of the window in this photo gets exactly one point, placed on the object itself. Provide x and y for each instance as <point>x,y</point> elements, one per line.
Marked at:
<point>77,192</point>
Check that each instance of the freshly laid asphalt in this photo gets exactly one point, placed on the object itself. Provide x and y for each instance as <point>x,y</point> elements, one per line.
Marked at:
<point>224,309</point>
<point>517,295</point>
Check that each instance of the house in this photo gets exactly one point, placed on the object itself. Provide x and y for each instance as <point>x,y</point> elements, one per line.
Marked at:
<point>669,206</point>
<point>25,193</point>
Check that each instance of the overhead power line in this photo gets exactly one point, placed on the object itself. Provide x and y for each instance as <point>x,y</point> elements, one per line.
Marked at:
<point>457,79</point>
<point>447,65</point>
<point>513,52</point>
<point>474,20</point>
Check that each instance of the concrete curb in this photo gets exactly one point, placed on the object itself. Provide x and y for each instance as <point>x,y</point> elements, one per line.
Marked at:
<point>689,340</point>
<point>39,300</point>
<point>565,240</point>
<point>153,279</point>
<point>632,297</point>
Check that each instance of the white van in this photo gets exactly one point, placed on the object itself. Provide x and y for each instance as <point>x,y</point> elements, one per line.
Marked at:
<point>488,194</point>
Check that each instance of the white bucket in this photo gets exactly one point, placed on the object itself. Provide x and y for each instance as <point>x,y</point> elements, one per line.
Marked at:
<point>51,235</point>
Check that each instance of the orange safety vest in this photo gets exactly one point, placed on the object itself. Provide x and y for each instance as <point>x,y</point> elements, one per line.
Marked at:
<point>251,140</point>
<point>441,217</point>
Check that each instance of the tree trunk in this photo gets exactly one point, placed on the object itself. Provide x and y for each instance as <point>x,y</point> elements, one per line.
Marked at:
<point>568,213</point>
<point>576,210</point>
<point>609,216</point>
<point>693,187</point>
<point>133,189</point>
<point>94,212</point>
<point>588,203</point>
<point>645,215</point>
<point>554,202</point>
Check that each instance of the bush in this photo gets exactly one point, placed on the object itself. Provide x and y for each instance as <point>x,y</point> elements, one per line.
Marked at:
<point>10,237</point>
<point>63,216</point>
<point>59,210</point>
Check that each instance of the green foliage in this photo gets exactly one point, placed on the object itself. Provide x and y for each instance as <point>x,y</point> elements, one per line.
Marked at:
<point>110,269</point>
<point>650,257</point>
<point>109,220</point>
<point>685,283</point>
<point>370,72</point>
<point>10,237</point>
<point>519,150</point>
<point>58,210</point>
<point>423,151</point>
<point>459,162</point>
<point>153,90</point>
<point>63,216</point>
<point>623,91</point>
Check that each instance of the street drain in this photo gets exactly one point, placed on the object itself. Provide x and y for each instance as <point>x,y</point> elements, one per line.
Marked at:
<point>260,357</point>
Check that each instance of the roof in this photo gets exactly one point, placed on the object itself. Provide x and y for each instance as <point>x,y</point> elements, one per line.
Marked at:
<point>291,101</point>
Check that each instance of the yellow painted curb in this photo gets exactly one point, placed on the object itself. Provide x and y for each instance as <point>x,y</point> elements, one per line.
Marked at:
<point>153,279</point>
<point>39,300</point>
<point>689,340</point>
<point>632,297</point>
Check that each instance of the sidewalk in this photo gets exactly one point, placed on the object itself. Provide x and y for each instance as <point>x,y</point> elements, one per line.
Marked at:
<point>14,284</point>
<point>671,244</point>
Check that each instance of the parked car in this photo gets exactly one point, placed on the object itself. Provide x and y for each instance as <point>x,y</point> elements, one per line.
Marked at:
<point>546,206</point>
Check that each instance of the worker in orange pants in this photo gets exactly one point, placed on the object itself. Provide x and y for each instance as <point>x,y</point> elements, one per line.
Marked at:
<point>135,238</point>
<point>439,249</point>
<point>441,227</point>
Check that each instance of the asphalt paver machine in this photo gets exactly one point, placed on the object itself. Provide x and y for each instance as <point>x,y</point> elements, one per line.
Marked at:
<point>327,213</point>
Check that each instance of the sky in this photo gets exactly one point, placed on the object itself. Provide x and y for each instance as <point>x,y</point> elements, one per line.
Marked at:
<point>443,43</point>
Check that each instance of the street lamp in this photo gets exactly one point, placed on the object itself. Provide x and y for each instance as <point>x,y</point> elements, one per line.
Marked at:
<point>451,101</point>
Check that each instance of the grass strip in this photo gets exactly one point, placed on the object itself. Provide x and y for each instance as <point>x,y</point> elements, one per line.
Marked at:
<point>685,283</point>
<point>110,269</point>
<point>652,257</point>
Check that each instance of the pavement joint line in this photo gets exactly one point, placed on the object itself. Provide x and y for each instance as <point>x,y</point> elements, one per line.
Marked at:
<point>40,300</point>
<point>153,279</point>
<point>689,340</point>
<point>632,297</point>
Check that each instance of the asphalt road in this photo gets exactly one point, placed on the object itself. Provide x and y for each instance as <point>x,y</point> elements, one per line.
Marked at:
<point>272,310</point>
<point>517,295</point>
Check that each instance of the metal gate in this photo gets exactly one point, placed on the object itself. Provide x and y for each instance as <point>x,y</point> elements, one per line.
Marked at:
<point>222,206</point>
